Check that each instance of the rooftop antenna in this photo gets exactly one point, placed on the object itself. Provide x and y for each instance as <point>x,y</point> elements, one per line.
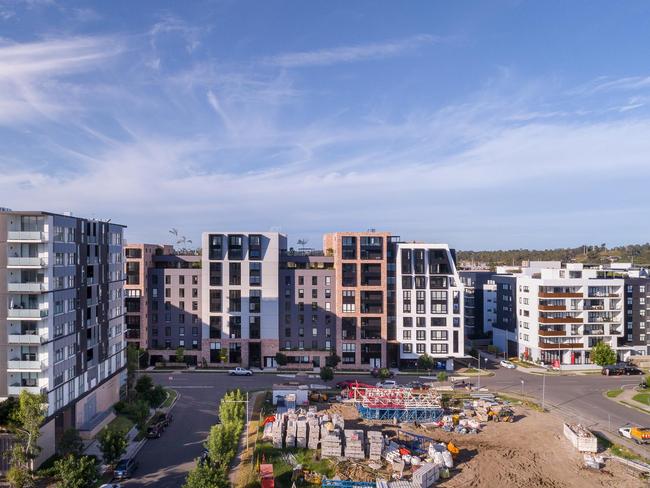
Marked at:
<point>302,243</point>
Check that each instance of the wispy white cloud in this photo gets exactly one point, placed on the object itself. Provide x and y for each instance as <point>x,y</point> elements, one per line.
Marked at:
<point>349,54</point>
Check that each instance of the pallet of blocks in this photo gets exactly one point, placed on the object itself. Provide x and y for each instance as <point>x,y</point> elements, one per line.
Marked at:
<point>292,428</point>
<point>375,445</point>
<point>301,433</point>
<point>331,443</point>
<point>425,475</point>
<point>313,433</point>
<point>278,431</point>
<point>354,444</point>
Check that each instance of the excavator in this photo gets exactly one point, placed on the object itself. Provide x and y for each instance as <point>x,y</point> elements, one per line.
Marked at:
<point>503,415</point>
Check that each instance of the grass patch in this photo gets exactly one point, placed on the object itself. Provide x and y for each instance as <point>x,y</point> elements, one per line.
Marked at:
<point>526,403</point>
<point>121,422</point>
<point>283,471</point>
<point>614,393</point>
<point>619,450</point>
<point>171,396</point>
<point>642,398</point>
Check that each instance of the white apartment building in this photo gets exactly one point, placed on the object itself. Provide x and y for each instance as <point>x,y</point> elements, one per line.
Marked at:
<point>240,296</point>
<point>61,282</point>
<point>429,303</point>
<point>562,312</point>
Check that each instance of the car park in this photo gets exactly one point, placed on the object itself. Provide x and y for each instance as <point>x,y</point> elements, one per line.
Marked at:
<point>239,371</point>
<point>507,364</point>
<point>125,468</point>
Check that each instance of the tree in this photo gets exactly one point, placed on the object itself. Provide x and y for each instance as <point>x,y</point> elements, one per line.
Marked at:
<point>206,476</point>
<point>280,358</point>
<point>7,410</point>
<point>383,373</point>
<point>221,444</point>
<point>76,471</point>
<point>139,411</point>
<point>602,354</point>
<point>180,355</point>
<point>144,385</point>
<point>326,374</point>
<point>425,362</point>
<point>71,443</point>
<point>232,410</point>
<point>132,364</point>
<point>112,443</point>
<point>442,376</point>
<point>332,360</point>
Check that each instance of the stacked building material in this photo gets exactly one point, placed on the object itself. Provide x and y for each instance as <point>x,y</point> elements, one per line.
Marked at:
<point>391,453</point>
<point>279,429</point>
<point>338,421</point>
<point>301,432</point>
<point>292,428</point>
<point>354,444</point>
<point>314,433</point>
<point>331,443</point>
<point>375,445</point>
<point>426,475</point>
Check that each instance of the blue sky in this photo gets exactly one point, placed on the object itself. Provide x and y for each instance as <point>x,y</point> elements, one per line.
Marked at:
<point>483,124</point>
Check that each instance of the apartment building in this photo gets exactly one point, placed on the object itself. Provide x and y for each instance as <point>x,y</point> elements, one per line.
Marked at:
<point>307,308</point>
<point>637,311</point>
<point>240,300</point>
<point>174,313</point>
<point>62,319</point>
<point>139,260</point>
<point>361,271</point>
<point>480,302</point>
<point>556,314</point>
<point>429,304</point>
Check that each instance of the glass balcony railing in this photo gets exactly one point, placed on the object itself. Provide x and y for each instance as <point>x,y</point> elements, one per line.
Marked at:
<point>20,262</point>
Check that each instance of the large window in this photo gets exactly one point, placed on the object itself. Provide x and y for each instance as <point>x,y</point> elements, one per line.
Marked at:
<point>371,247</point>
<point>254,246</point>
<point>234,274</point>
<point>349,247</point>
<point>215,301</point>
<point>255,274</point>
<point>216,274</point>
<point>234,301</point>
<point>235,247</point>
<point>215,246</point>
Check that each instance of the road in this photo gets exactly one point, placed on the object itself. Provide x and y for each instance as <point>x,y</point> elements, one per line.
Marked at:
<point>164,462</point>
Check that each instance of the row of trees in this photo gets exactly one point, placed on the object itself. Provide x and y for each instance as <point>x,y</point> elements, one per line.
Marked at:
<point>221,445</point>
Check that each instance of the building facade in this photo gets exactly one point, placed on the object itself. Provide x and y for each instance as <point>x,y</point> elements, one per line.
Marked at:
<point>429,304</point>
<point>62,319</point>
<point>361,270</point>
<point>307,308</point>
<point>240,302</point>
<point>174,314</point>
<point>478,315</point>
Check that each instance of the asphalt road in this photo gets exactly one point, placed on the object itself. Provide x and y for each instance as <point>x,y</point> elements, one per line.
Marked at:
<point>164,462</point>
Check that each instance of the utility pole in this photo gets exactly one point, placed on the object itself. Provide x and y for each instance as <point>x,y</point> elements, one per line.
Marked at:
<point>522,388</point>
<point>543,390</point>
<point>479,368</point>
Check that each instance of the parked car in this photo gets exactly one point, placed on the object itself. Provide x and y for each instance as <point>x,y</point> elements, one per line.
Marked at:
<point>387,384</point>
<point>154,431</point>
<point>417,385</point>
<point>238,371</point>
<point>375,372</point>
<point>111,485</point>
<point>163,418</point>
<point>125,468</point>
<point>507,364</point>
<point>342,385</point>
<point>613,369</point>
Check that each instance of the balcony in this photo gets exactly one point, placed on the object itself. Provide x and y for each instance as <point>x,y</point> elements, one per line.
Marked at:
<point>27,313</point>
<point>18,262</point>
<point>560,320</point>
<point>16,389</point>
<point>552,332</point>
<point>26,236</point>
<point>17,365</point>
<point>548,294</point>
<point>552,307</point>
<point>560,345</point>
<point>27,287</point>
<point>26,338</point>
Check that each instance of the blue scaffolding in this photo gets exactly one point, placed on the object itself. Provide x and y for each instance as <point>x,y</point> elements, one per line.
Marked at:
<point>327,483</point>
<point>417,414</point>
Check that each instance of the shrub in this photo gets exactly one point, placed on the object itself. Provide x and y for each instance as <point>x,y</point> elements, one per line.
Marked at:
<point>281,359</point>
<point>425,362</point>
<point>383,373</point>
<point>112,444</point>
<point>326,374</point>
<point>120,407</point>
<point>332,361</point>
<point>71,443</point>
<point>442,376</point>
<point>602,354</point>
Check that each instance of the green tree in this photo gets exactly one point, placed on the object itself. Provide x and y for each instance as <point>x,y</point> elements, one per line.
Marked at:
<point>442,376</point>
<point>139,412</point>
<point>221,444</point>
<point>602,354</point>
<point>425,362</point>
<point>132,364</point>
<point>647,381</point>
<point>75,471</point>
<point>144,385</point>
<point>71,443</point>
<point>280,358</point>
<point>332,360</point>
<point>180,355</point>
<point>206,476</point>
<point>28,419</point>
<point>112,443</point>
<point>326,374</point>
<point>383,373</point>
<point>232,410</point>
<point>19,476</point>
<point>7,411</point>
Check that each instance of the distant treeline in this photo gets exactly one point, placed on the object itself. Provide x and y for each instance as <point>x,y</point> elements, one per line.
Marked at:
<point>589,254</point>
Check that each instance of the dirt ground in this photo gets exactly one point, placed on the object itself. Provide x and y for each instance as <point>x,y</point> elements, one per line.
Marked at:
<point>532,452</point>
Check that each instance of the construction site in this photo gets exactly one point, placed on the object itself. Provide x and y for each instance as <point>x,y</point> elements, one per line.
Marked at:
<point>408,438</point>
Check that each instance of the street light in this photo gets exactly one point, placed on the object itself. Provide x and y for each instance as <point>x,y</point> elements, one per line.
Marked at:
<point>522,388</point>
<point>247,425</point>
<point>543,389</point>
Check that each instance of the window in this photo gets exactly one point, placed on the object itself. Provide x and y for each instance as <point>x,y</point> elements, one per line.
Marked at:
<point>407,348</point>
<point>349,304</point>
<point>314,293</point>
<point>420,348</point>
<point>421,335</point>
<point>255,274</point>
<point>407,322</point>
<point>328,280</point>
<point>181,331</point>
<point>234,274</point>
<point>406,335</point>
<point>215,274</point>
<point>215,301</point>
<point>301,280</point>
<point>328,293</point>
<point>301,293</point>
<point>168,280</point>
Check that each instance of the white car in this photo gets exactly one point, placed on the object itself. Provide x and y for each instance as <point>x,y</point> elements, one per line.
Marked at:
<point>111,485</point>
<point>238,371</point>
<point>388,384</point>
<point>507,364</point>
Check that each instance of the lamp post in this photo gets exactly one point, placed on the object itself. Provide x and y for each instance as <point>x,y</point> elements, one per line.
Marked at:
<point>543,390</point>
<point>522,388</point>
<point>247,420</point>
<point>479,368</point>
